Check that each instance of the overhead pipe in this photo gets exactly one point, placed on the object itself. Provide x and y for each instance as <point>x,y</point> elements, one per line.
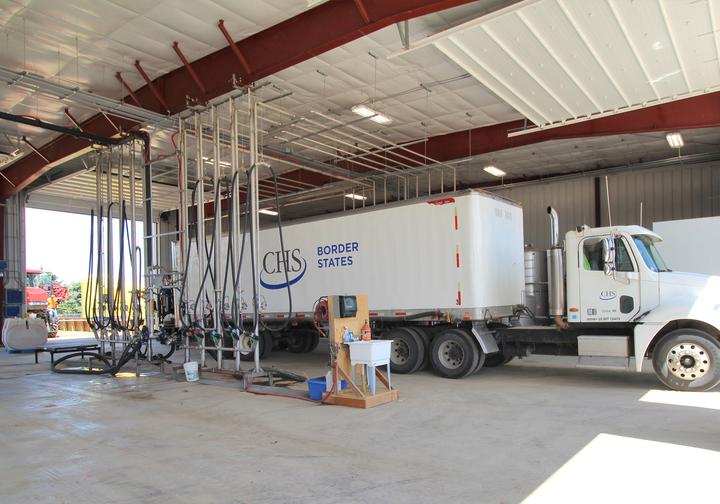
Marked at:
<point>152,87</point>
<point>189,68</point>
<point>100,140</point>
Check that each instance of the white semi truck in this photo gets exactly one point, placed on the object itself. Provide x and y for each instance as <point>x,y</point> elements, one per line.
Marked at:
<point>450,282</point>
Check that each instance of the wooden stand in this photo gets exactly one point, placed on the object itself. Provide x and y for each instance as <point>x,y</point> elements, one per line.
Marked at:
<point>353,396</point>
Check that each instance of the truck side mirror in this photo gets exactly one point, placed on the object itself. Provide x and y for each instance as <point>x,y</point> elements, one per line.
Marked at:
<point>608,245</point>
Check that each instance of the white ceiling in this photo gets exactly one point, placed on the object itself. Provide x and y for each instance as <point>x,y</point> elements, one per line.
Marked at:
<point>561,60</point>
<point>84,43</point>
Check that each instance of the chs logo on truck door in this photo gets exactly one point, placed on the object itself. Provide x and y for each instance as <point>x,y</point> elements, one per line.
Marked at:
<point>274,266</point>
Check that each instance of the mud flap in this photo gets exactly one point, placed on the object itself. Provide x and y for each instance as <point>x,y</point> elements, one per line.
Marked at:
<point>485,338</point>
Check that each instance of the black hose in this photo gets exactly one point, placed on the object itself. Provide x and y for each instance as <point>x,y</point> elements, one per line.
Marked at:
<point>285,261</point>
<point>128,353</point>
<point>208,265</point>
<point>89,294</point>
<point>183,285</point>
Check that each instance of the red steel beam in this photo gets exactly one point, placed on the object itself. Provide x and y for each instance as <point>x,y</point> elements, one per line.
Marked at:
<point>189,67</point>
<point>152,87</point>
<point>363,11</point>
<point>233,46</point>
<point>691,113</point>
<point>697,112</point>
<point>313,32</point>
<point>131,94</point>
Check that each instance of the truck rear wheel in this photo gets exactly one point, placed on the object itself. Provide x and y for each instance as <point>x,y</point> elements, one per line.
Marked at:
<point>454,354</point>
<point>407,352</point>
<point>426,346</point>
<point>687,359</point>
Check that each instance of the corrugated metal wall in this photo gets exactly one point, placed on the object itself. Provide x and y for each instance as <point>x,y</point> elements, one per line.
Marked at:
<point>677,192</point>
<point>573,200</point>
<point>674,192</point>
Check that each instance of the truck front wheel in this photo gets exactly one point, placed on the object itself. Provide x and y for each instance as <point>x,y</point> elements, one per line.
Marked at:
<point>687,359</point>
<point>454,354</point>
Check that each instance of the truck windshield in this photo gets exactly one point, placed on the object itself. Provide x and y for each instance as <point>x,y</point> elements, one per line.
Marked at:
<point>649,253</point>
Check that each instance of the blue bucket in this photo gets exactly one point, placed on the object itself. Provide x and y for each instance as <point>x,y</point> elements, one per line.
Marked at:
<point>316,387</point>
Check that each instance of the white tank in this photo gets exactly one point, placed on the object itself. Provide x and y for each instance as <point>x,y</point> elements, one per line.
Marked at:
<point>24,334</point>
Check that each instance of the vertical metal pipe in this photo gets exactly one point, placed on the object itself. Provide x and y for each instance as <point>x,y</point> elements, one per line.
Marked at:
<point>255,223</point>
<point>121,259</point>
<point>183,215</point>
<point>100,249</point>
<point>149,251</point>
<point>235,229</point>
<point>133,239</point>
<point>218,308</point>
<point>110,258</point>
<point>200,227</point>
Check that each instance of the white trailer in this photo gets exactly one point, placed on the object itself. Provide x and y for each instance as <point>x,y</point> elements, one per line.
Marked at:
<point>448,282</point>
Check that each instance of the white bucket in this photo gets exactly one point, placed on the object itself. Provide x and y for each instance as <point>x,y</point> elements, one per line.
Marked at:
<point>191,371</point>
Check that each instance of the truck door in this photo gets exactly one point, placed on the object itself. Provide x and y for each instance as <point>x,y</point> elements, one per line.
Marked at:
<point>613,297</point>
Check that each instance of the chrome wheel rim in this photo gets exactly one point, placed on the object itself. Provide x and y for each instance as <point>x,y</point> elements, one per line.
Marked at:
<point>400,352</point>
<point>450,354</point>
<point>688,361</point>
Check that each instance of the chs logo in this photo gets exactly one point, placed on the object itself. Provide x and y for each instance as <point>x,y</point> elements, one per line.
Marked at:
<point>607,295</point>
<point>274,265</point>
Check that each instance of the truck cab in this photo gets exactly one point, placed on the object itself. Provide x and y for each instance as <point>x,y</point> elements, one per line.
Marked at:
<point>615,277</point>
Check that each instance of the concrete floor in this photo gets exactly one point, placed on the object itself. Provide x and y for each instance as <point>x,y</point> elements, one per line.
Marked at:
<point>492,438</point>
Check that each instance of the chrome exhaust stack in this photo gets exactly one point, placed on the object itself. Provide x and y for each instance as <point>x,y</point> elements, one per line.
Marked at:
<point>556,274</point>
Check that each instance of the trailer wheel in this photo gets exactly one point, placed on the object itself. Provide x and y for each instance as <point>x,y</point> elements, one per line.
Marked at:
<point>406,354</point>
<point>297,342</point>
<point>497,359</point>
<point>454,354</point>
<point>425,337</point>
<point>687,359</point>
<point>314,338</point>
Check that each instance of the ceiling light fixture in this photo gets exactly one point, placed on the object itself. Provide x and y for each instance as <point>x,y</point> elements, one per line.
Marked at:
<point>492,170</point>
<point>381,119</point>
<point>356,196</point>
<point>675,140</point>
<point>267,211</point>
<point>363,110</point>
<point>373,115</point>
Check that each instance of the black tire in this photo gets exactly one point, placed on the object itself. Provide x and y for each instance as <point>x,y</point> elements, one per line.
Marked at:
<point>314,338</point>
<point>497,359</point>
<point>266,344</point>
<point>297,341</point>
<point>482,359</point>
<point>407,351</point>
<point>687,359</point>
<point>425,337</point>
<point>454,354</point>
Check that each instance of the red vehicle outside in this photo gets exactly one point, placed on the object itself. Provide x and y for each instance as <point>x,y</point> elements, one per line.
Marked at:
<point>42,299</point>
